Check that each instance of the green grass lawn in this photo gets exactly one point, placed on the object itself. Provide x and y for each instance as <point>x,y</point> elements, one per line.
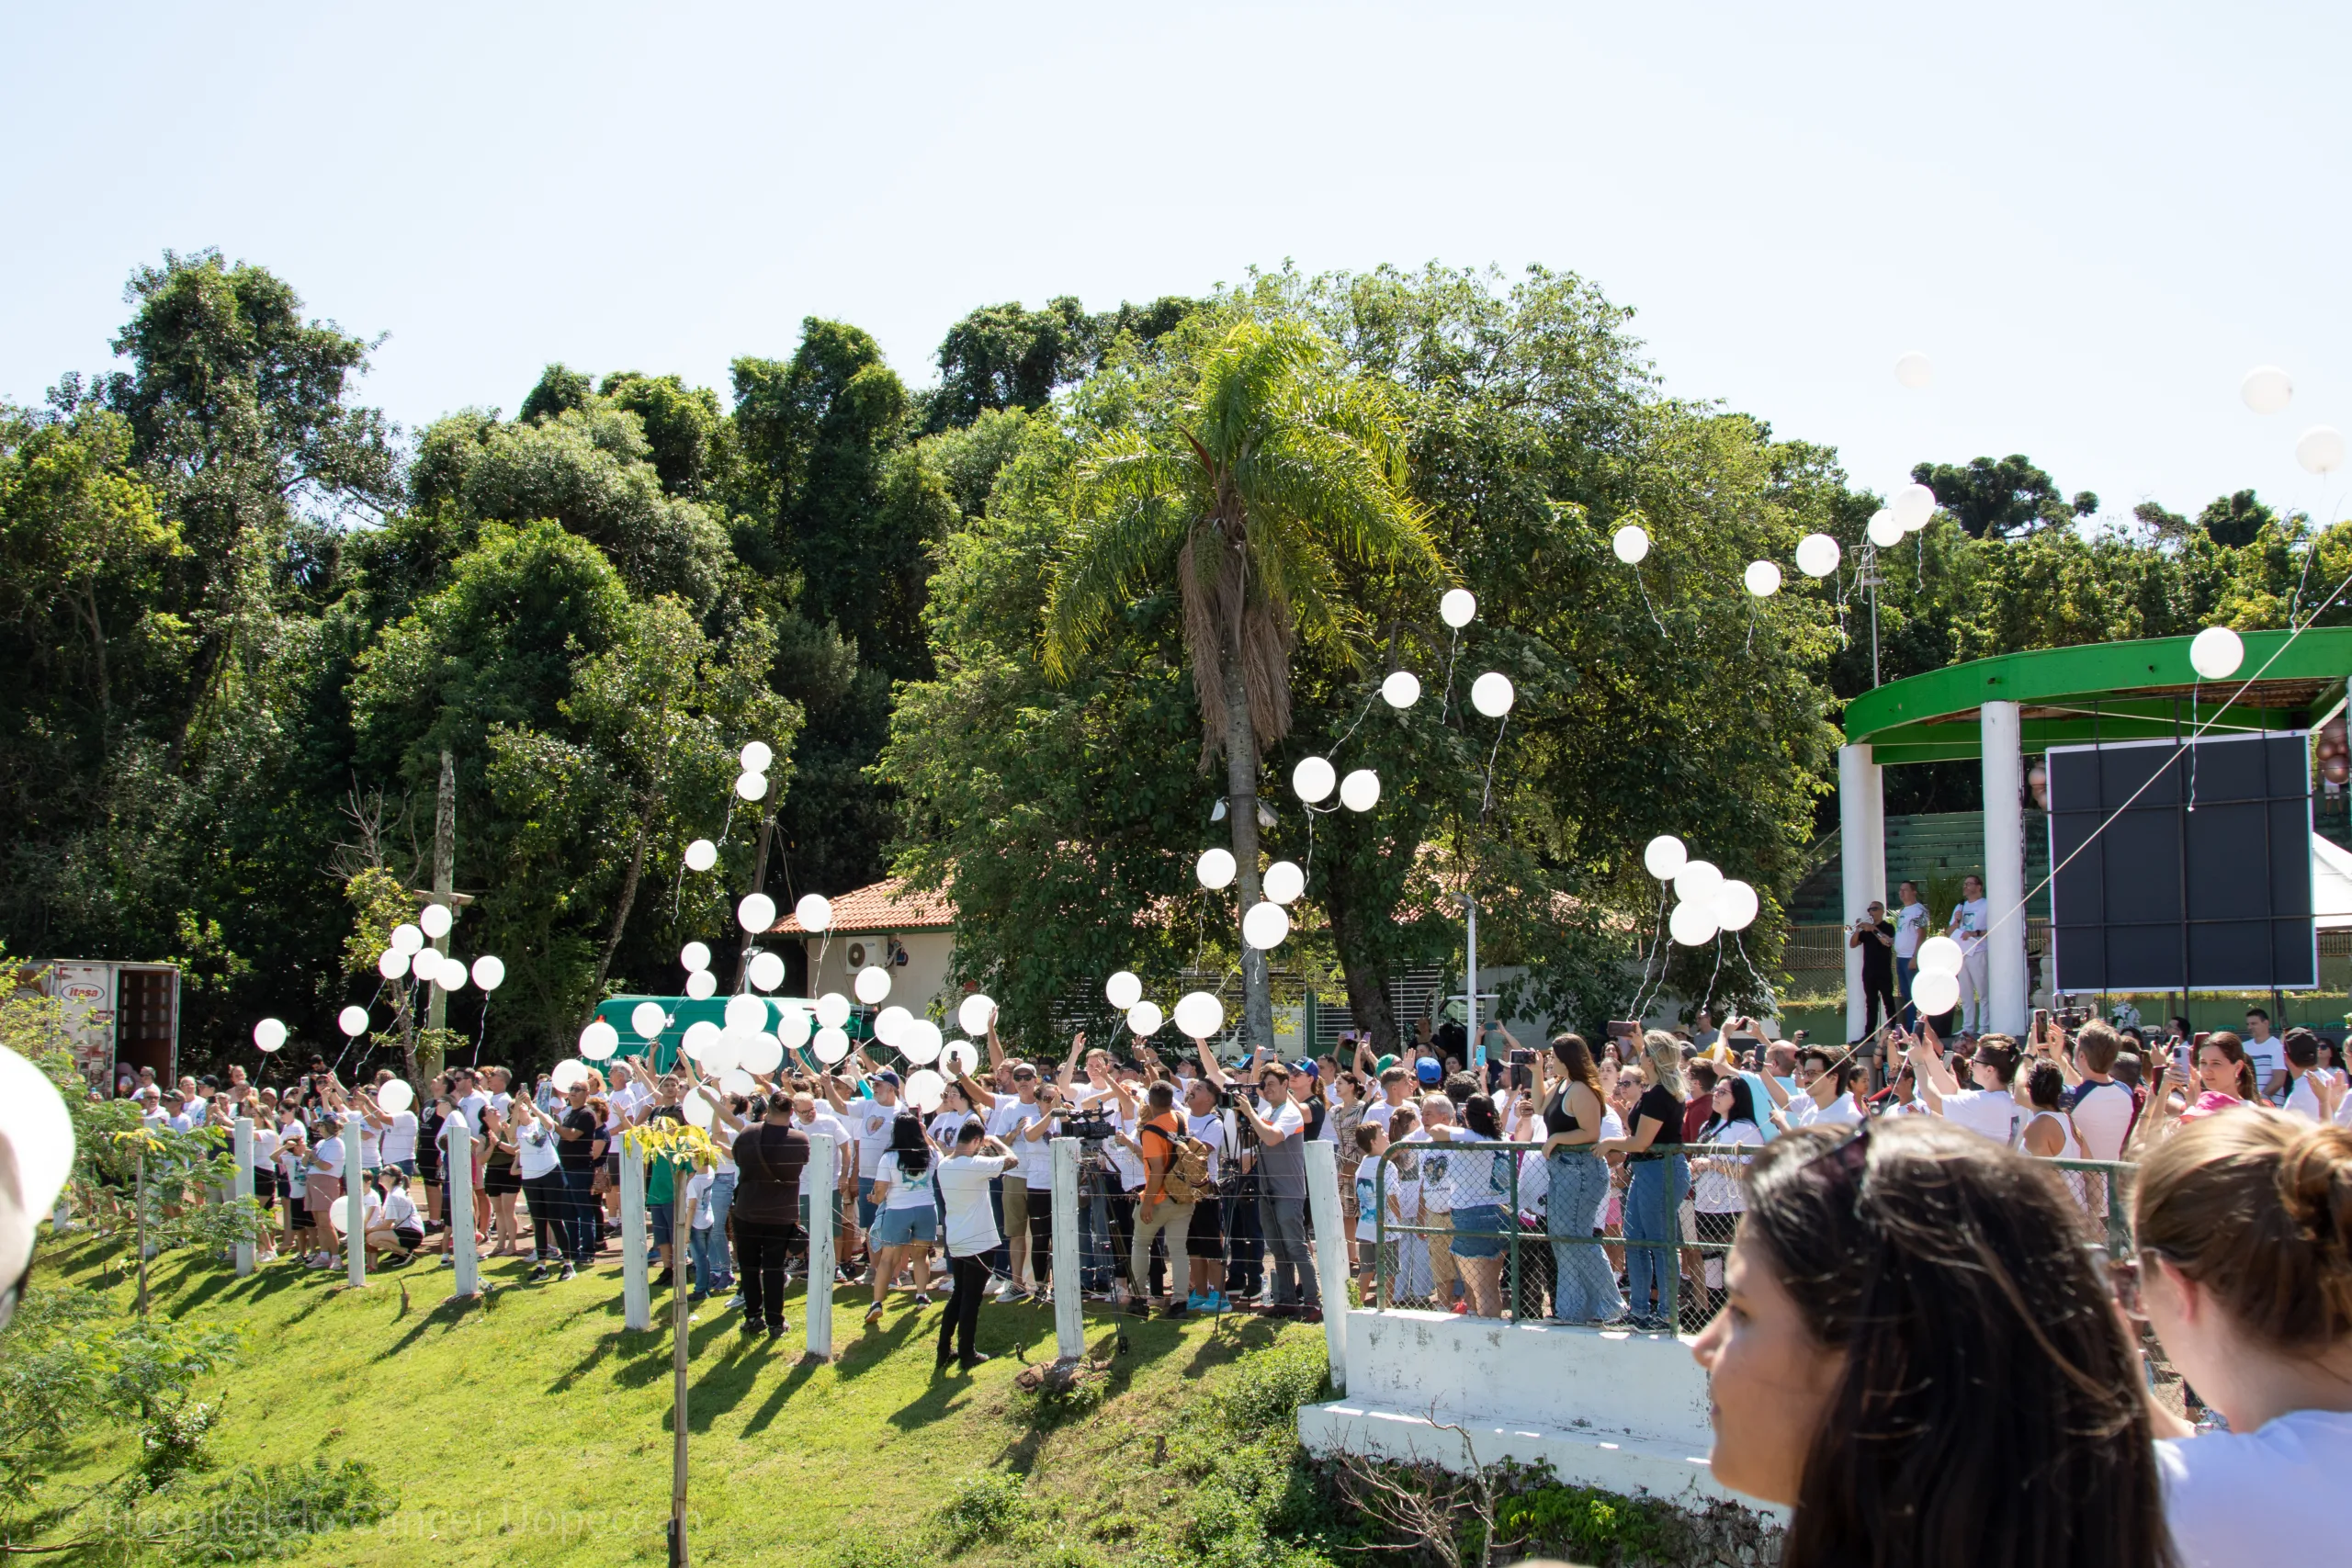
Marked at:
<point>530,1427</point>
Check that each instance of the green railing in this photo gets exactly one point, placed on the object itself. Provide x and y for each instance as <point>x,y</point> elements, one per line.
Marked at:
<point>2104,1193</point>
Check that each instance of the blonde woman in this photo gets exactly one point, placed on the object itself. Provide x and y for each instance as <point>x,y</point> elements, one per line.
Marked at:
<point>1655,1193</point>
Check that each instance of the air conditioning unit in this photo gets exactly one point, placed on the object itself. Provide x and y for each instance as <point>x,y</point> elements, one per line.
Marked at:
<point>858,955</point>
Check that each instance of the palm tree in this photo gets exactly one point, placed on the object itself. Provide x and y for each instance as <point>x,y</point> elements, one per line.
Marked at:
<point>1255,494</point>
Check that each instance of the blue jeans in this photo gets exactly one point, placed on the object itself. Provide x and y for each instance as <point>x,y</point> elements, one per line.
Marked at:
<point>866,1202</point>
<point>700,1244</point>
<point>1906,971</point>
<point>722,1200</point>
<point>587,1216</point>
<point>1583,1290</point>
<point>1649,1216</point>
<point>663,1217</point>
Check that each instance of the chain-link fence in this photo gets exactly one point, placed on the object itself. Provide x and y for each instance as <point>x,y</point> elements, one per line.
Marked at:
<point>1500,1230</point>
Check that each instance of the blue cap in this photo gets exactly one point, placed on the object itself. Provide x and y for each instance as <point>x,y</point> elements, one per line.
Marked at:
<point>889,1076</point>
<point>1427,1071</point>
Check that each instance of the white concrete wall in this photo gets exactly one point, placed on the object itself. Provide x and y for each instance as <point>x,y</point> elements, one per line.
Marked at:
<point>919,986</point>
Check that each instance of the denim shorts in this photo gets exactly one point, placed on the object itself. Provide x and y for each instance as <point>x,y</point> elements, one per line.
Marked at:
<point>1479,1231</point>
<point>897,1228</point>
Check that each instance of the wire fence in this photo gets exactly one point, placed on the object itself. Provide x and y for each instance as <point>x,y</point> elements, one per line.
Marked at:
<point>1500,1230</point>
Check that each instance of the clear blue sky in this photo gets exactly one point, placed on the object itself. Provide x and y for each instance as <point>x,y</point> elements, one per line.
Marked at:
<point>2095,218</point>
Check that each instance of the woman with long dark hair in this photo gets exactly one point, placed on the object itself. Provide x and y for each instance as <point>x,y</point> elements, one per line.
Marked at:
<point>1655,1193</point>
<point>1584,1288</point>
<point>1919,1357</point>
<point>906,1218</point>
<point>1719,1194</point>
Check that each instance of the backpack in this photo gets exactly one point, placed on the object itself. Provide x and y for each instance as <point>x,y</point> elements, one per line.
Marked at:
<point>1186,1179</point>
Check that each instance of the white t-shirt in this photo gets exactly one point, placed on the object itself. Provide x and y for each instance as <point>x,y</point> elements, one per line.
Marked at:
<point>869,1122</point>
<point>1368,1199</point>
<point>1378,1112</point>
<point>906,1191</point>
<point>833,1127</point>
<point>2261,1498</point>
<point>1805,1111</point>
<point>2266,1056</point>
<point>473,1106</point>
<point>400,1137</point>
<point>1534,1183</point>
<point>326,1156</point>
<point>1435,1178</point>
<point>369,1143</point>
<point>395,1208</point>
<point>2303,1099</point>
<point>1212,1129</point>
<point>2103,1117</point>
<point>1721,1191</point>
<point>536,1153</point>
<point>1910,929</point>
<point>1993,1113</point>
<point>1123,1160</point>
<point>1033,1157</point>
<point>964,1183</point>
<point>1970,921</point>
<point>948,1125</point>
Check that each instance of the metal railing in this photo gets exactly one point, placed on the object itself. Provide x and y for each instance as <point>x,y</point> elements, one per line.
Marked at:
<point>1527,1283</point>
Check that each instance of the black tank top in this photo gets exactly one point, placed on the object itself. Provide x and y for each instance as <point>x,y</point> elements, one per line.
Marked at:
<point>1556,1112</point>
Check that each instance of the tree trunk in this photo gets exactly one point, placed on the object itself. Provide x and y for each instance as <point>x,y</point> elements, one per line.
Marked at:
<point>620,913</point>
<point>1241,814</point>
<point>1365,974</point>
<point>678,1347</point>
<point>445,883</point>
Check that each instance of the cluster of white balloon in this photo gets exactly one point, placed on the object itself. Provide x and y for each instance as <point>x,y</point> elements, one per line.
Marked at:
<point>1818,556</point>
<point>1935,989</point>
<point>2268,390</point>
<point>1706,902</point>
<point>751,783</point>
<point>408,957</point>
<point>1198,1015</point>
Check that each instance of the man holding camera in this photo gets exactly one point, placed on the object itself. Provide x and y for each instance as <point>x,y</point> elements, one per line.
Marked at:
<point>1874,934</point>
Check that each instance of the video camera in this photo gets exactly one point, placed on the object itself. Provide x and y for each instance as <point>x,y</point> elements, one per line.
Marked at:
<point>1089,1126</point>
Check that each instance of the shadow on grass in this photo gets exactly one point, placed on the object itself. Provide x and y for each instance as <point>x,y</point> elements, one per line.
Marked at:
<point>446,1313</point>
<point>802,1371</point>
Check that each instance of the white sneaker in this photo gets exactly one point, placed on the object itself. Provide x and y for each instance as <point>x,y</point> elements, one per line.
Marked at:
<point>1008,1292</point>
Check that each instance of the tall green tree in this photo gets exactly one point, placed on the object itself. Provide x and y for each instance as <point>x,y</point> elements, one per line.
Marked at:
<point>1251,494</point>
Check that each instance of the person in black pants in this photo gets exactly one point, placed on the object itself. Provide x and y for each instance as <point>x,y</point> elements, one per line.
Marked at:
<point>583,1227</point>
<point>1874,934</point>
<point>963,1186</point>
<point>769,1159</point>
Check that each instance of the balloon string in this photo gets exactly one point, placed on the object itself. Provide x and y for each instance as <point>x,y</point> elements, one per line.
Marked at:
<point>1646,605</point>
<point>1771,997</point>
<point>1658,938</point>
<point>1368,701</point>
<point>1445,703</point>
<point>1710,1001</point>
<point>1487,795</point>
<point>1751,624</point>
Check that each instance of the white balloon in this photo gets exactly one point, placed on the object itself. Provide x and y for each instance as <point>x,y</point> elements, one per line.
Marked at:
<point>756,913</point>
<point>40,1134</point>
<point>891,1023</point>
<point>696,957</point>
<point>451,974</point>
<point>1939,955</point>
<point>1265,925</point>
<point>1491,693</point>
<point>351,1021</point>
<point>424,963</point>
<point>490,972</point>
<point>1359,790</point>
<point>961,1058</point>
<point>756,756</point>
<point>407,938</point>
<point>394,1098</point>
<point>599,1039</point>
<point>339,1214</point>
<point>2216,652</point>
<point>833,1011</point>
<point>2320,449</point>
<point>1401,690</point>
<point>1693,924</point>
<point>1763,579</point>
<point>1737,906</point>
<point>814,911</point>
<point>925,1089</point>
<point>702,985</point>
<point>2267,389</point>
<point>921,1041</point>
<point>975,1012</point>
<point>1914,371</point>
<point>1665,856</point>
<point>1216,869</point>
<point>1144,1019</point>
<point>701,1035</point>
<point>751,786</point>
<point>1457,607</point>
<point>1697,882</point>
<point>762,1054</point>
<point>747,1012</point>
<point>1283,882</point>
<point>568,1072</point>
<point>1935,993</point>
<point>1884,531</point>
<point>434,919</point>
<point>793,1026</point>
<point>766,971</point>
<point>391,963</point>
<point>1313,779</point>
<point>698,1110</point>
<point>725,1054</point>
<point>1630,544</point>
<point>269,1033</point>
<point>1199,1015</point>
<point>1123,990</point>
<point>873,984</point>
<point>701,855</point>
<point>648,1019</point>
<point>1818,555</point>
<point>1913,506</point>
<point>832,1046</point>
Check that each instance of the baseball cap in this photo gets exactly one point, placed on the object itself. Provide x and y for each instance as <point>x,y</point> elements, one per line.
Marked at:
<point>1381,1064</point>
<point>887,1076</point>
<point>1427,1071</point>
<point>1305,1066</point>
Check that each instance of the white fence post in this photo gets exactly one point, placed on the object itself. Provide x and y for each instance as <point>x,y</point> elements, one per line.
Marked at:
<point>1069,1295</point>
<point>1331,1252</point>
<point>242,1150</point>
<point>354,1206</point>
<point>458,1179</point>
<point>637,1297</point>
<point>819,1182</point>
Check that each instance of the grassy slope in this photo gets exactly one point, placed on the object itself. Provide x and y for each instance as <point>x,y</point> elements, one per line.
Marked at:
<point>535,1430</point>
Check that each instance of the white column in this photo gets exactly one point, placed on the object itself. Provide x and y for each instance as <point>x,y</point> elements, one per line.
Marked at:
<point>458,1178</point>
<point>241,1147</point>
<point>819,1182</point>
<point>1862,858</point>
<point>1069,1295</point>
<point>354,1206</point>
<point>1331,1252</point>
<point>636,1298</point>
<point>2005,971</point>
